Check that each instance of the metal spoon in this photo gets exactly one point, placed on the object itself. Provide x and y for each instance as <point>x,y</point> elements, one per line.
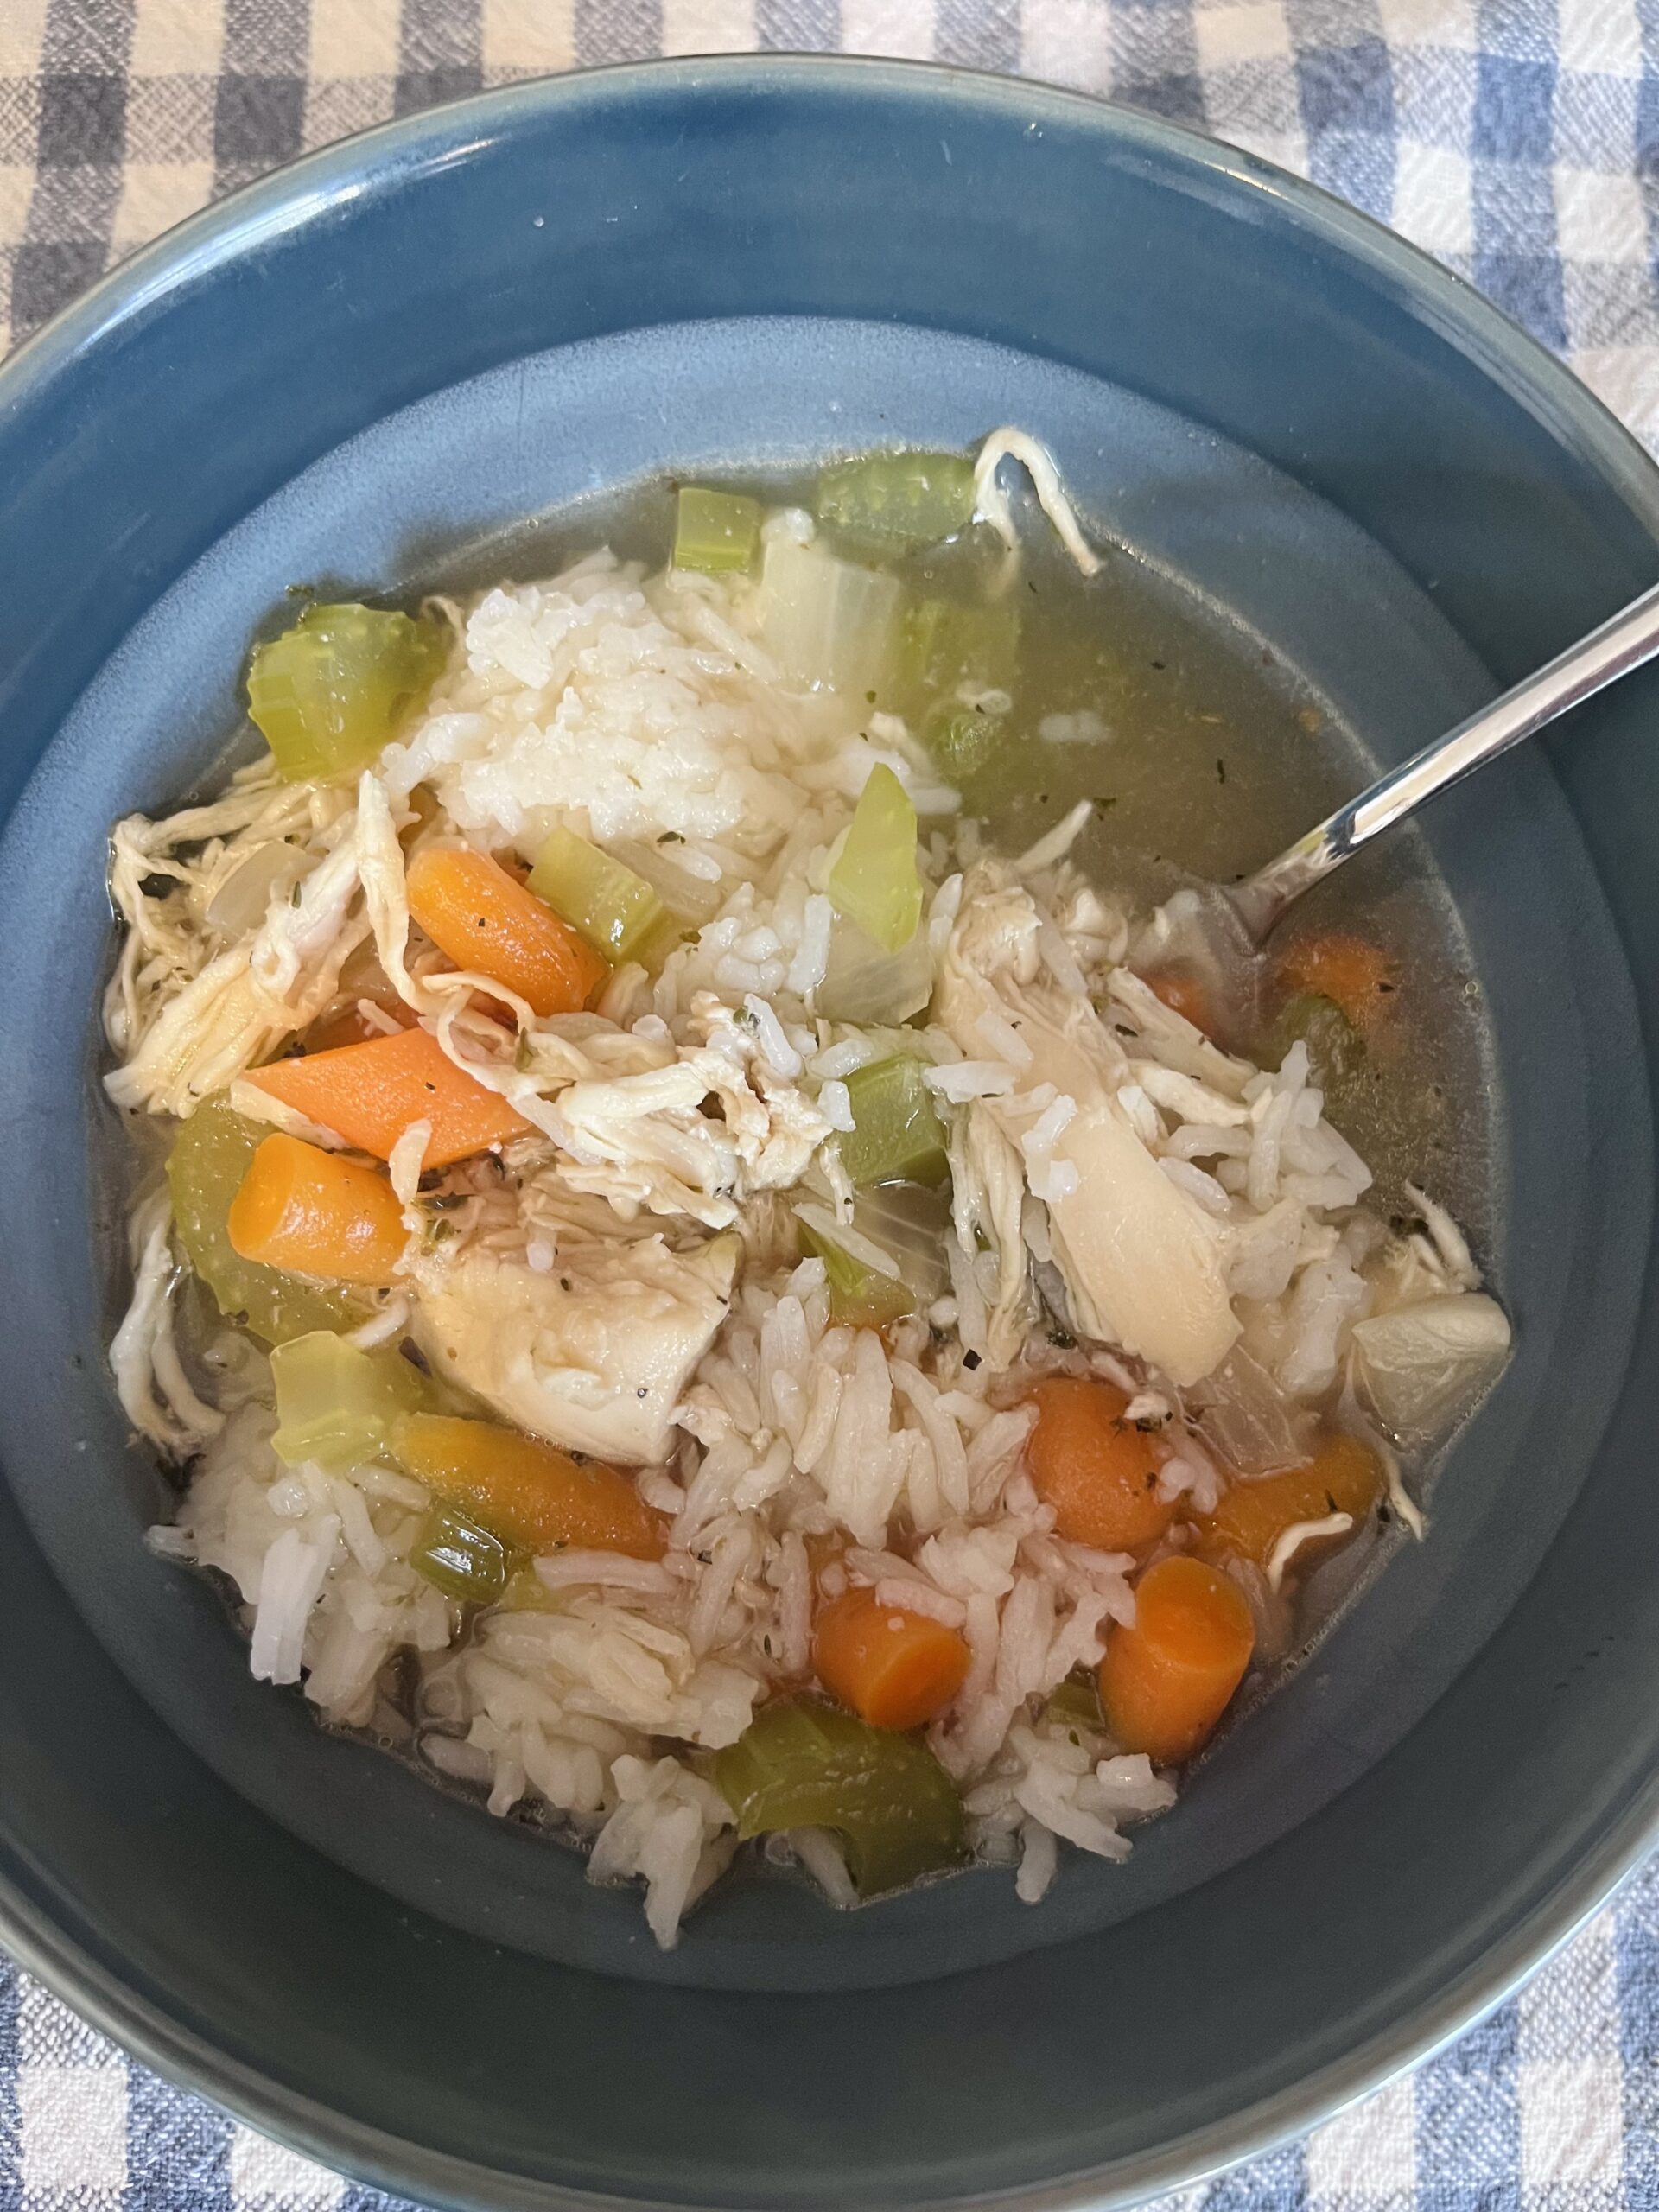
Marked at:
<point>1625,642</point>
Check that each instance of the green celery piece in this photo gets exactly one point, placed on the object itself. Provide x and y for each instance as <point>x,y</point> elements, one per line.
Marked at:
<point>1336,1051</point>
<point>1076,1705</point>
<point>896,1135</point>
<point>715,531</point>
<point>875,881</point>
<point>804,1763</point>
<point>945,644</point>
<point>617,911</point>
<point>336,1402</point>
<point>327,694</point>
<point>963,743</point>
<point>459,1557</point>
<point>859,1297</point>
<point>211,1155</point>
<point>897,501</point>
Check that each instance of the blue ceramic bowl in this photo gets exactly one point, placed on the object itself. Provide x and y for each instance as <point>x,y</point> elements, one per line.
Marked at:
<point>399,349</point>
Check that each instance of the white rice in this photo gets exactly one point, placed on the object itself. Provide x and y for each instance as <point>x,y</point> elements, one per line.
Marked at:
<point>805,1457</point>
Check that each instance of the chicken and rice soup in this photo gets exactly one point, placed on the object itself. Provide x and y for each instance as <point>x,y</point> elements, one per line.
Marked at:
<point>701,1288</point>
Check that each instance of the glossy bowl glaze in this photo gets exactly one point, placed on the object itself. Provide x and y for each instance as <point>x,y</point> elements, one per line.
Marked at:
<point>399,349</point>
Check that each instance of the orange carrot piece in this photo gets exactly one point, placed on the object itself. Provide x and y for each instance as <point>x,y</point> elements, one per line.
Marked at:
<point>472,909</point>
<point>1097,1471</point>
<point>530,1494</point>
<point>369,1094</point>
<point>1185,994</point>
<point>313,1213</point>
<point>895,1668</point>
<point>1344,1476</point>
<point>1165,1682</point>
<point>1353,973</point>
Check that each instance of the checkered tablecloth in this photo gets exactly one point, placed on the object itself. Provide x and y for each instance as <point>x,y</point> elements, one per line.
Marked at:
<point>1517,140</point>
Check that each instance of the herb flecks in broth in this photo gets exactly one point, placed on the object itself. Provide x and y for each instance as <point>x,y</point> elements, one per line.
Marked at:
<point>745,1275</point>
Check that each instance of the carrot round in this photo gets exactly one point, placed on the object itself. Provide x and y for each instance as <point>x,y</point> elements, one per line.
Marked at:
<point>1351,971</point>
<point>1185,994</point>
<point>1165,1683</point>
<point>895,1668</point>
<point>529,1493</point>
<point>1097,1471</point>
<point>472,910</point>
<point>369,1094</point>
<point>313,1213</point>
<point>1344,1476</point>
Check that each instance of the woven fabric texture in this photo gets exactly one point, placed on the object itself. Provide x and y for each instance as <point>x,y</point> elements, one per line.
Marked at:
<point>1518,140</point>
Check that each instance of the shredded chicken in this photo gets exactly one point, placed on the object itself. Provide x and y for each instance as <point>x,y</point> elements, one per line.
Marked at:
<point>593,1354</point>
<point>991,501</point>
<point>155,1394</point>
<point>1143,1265</point>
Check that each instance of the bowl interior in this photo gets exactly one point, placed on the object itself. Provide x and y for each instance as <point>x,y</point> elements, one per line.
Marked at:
<point>1404,511</point>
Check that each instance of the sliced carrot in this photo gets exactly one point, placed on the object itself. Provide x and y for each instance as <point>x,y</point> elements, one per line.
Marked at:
<point>1185,994</point>
<point>369,1094</point>
<point>1351,971</point>
<point>895,1668</point>
<point>529,1493</point>
<point>1165,1683</point>
<point>1097,1471</point>
<point>472,909</point>
<point>1343,1476</point>
<point>313,1213</point>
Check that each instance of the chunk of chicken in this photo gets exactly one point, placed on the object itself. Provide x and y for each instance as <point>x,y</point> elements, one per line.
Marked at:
<point>595,1354</point>
<point>1144,1267</point>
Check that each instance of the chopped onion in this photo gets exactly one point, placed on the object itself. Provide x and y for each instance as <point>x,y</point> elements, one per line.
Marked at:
<point>1422,1367</point>
<point>241,901</point>
<point>862,983</point>
<point>691,897</point>
<point>1247,1420</point>
<point>913,1224</point>
<point>827,621</point>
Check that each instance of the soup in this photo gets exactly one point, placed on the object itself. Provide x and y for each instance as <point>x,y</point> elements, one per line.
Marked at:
<point>733,1265</point>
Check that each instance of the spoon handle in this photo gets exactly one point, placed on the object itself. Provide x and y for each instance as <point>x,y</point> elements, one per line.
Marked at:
<point>1625,641</point>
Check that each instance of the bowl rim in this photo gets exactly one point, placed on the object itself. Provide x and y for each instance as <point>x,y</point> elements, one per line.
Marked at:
<point>297,192</point>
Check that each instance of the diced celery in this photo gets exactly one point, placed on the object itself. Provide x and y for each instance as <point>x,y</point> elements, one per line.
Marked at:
<point>897,501</point>
<point>875,882</point>
<point>946,644</point>
<point>863,984</point>
<point>459,1557</point>
<point>327,694</point>
<point>963,743</point>
<point>1336,1051</point>
<point>526,1593</point>
<point>1076,1704</point>
<point>827,621</point>
<point>860,1296</point>
<point>336,1402</point>
<point>211,1155</point>
<point>715,531</point>
<point>897,1136</point>
<point>617,911</point>
<point>803,1764</point>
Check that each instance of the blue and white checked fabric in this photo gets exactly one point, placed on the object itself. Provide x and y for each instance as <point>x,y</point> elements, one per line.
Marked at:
<point>1551,2106</point>
<point>1518,140</point>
